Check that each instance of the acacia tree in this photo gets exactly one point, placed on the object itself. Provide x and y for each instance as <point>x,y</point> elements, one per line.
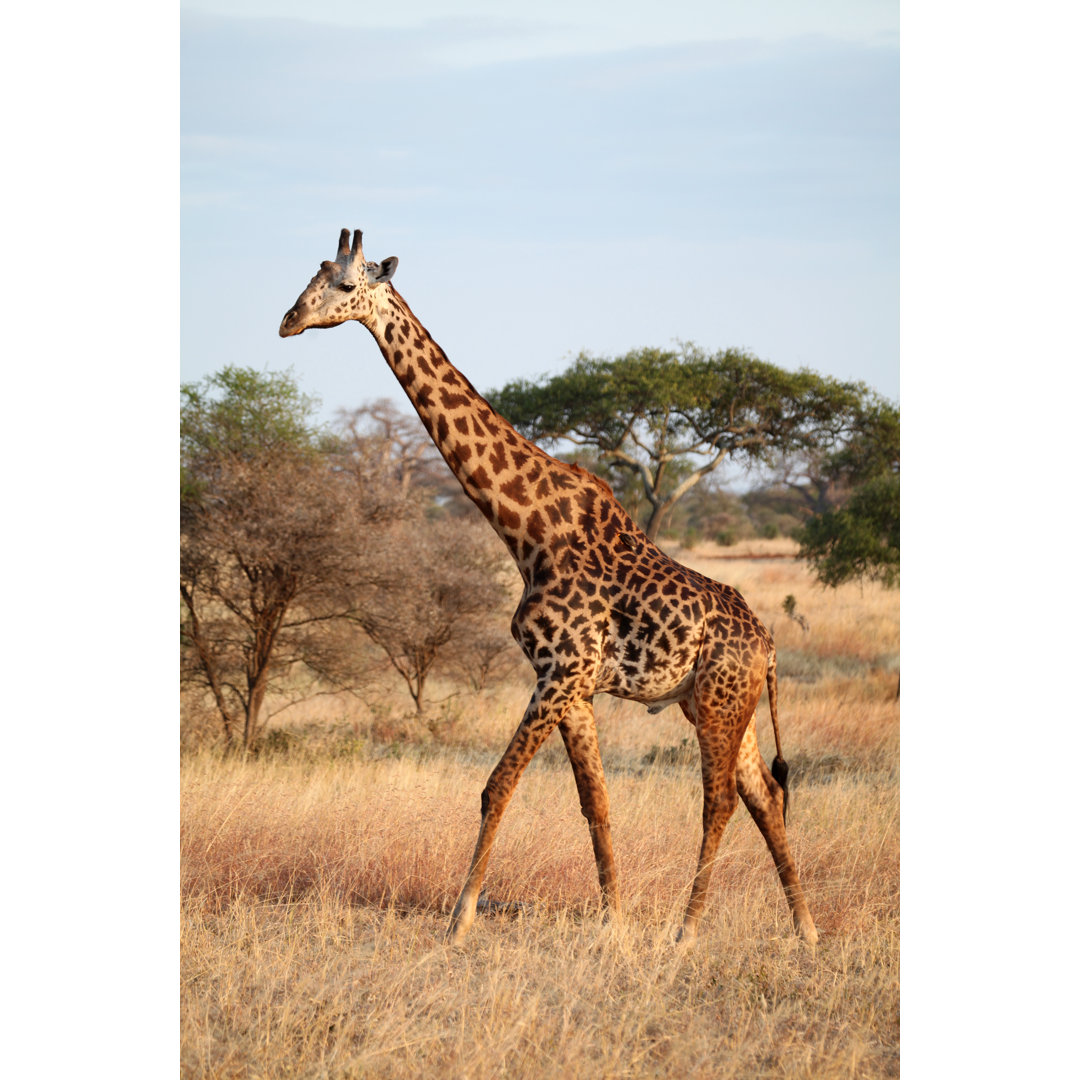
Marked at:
<point>445,584</point>
<point>860,538</point>
<point>670,418</point>
<point>823,477</point>
<point>275,545</point>
<point>379,439</point>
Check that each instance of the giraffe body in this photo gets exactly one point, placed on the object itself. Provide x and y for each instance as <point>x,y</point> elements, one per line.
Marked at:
<point>602,610</point>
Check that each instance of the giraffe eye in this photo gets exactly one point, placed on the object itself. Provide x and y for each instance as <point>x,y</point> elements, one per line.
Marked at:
<point>346,287</point>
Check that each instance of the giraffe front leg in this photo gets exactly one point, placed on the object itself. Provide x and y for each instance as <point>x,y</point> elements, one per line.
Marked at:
<point>578,730</point>
<point>465,909</point>
<point>536,725</point>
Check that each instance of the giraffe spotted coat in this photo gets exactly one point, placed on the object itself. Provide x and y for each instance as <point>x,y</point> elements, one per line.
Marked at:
<point>602,608</point>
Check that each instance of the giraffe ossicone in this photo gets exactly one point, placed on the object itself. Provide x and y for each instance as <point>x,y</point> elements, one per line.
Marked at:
<point>602,609</point>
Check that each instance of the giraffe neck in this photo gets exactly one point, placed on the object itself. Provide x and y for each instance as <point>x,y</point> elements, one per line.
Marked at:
<point>503,473</point>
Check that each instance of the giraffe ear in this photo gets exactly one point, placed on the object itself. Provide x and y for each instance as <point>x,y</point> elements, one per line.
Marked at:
<point>384,271</point>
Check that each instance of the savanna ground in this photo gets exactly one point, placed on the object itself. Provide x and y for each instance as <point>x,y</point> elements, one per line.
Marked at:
<point>317,882</point>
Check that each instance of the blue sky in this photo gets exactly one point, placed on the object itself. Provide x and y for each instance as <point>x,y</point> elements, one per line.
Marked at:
<point>590,177</point>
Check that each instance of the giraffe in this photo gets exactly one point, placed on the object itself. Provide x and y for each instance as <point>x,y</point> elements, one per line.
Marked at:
<point>602,609</point>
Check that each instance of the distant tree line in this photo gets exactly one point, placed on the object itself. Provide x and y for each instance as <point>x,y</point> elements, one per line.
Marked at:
<point>306,549</point>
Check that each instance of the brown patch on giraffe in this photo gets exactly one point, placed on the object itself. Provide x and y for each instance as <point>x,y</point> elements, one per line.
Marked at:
<point>534,526</point>
<point>457,401</point>
<point>515,489</point>
<point>498,458</point>
<point>508,518</point>
<point>553,514</point>
<point>485,414</point>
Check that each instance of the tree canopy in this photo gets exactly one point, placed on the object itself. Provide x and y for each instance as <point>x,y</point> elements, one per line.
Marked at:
<point>859,539</point>
<point>243,414</point>
<point>671,417</point>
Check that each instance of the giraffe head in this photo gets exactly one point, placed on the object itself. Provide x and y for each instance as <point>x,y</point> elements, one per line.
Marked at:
<point>341,290</point>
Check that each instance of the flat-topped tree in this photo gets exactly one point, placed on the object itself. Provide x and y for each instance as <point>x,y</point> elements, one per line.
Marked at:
<point>602,608</point>
<point>668,418</point>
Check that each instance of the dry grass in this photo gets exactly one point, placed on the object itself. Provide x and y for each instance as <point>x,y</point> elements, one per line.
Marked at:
<point>316,893</point>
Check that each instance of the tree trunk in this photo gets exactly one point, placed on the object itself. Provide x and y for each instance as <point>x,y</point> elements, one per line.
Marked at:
<point>656,519</point>
<point>251,715</point>
<point>206,662</point>
<point>418,696</point>
<point>662,507</point>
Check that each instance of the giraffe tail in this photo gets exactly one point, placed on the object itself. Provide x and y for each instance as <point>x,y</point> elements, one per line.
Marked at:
<point>779,765</point>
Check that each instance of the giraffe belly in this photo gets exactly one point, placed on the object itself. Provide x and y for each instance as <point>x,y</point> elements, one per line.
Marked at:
<point>645,694</point>
<point>647,668</point>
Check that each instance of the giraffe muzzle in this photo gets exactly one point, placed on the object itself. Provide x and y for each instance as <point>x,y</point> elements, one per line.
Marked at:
<point>286,327</point>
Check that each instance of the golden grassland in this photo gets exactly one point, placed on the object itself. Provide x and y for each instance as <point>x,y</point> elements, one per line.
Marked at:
<point>316,889</point>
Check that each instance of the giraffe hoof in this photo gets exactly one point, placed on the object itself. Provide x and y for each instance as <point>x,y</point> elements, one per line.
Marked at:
<point>686,937</point>
<point>611,916</point>
<point>458,928</point>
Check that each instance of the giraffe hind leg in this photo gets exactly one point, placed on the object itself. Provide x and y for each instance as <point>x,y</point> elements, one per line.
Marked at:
<point>718,733</point>
<point>766,799</point>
